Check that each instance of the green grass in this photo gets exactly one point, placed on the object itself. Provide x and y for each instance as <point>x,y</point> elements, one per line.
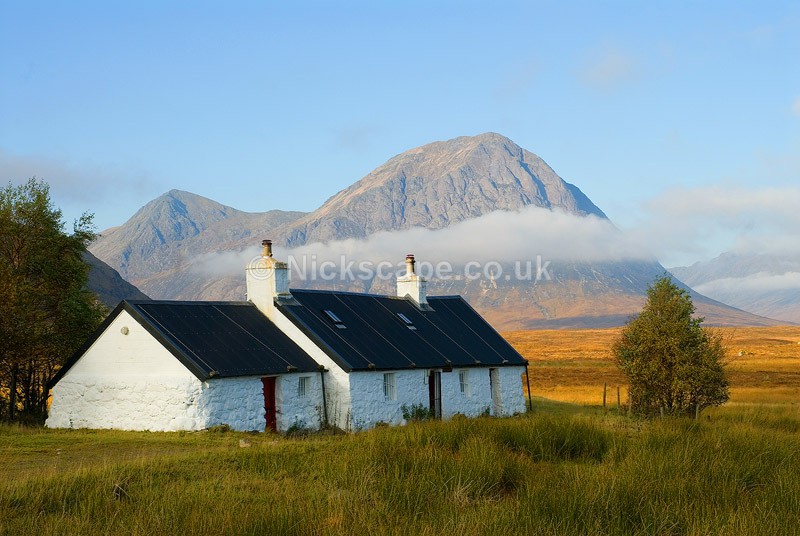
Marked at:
<point>736,471</point>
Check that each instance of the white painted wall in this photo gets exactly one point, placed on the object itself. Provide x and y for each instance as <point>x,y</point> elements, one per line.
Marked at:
<point>511,391</point>
<point>368,405</point>
<point>293,409</point>
<point>237,402</point>
<point>476,401</point>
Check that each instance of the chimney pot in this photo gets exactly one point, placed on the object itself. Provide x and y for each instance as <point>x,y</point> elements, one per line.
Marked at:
<point>266,248</point>
<point>410,264</point>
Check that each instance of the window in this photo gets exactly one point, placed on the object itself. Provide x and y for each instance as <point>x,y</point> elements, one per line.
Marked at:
<point>334,318</point>
<point>407,321</point>
<point>389,386</point>
<point>303,386</point>
<point>463,381</point>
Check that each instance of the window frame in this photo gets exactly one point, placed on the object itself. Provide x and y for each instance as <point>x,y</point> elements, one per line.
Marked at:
<point>463,382</point>
<point>303,386</point>
<point>389,386</point>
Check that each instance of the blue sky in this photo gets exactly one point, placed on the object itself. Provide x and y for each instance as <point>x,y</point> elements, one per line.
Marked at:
<point>263,105</point>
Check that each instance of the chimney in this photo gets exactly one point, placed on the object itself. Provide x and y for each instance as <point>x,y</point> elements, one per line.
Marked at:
<point>267,280</point>
<point>411,284</point>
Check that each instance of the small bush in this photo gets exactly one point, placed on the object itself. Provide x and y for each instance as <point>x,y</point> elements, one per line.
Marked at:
<point>416,412</point>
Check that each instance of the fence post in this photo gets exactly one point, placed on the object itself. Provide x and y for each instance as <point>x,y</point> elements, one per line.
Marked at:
<point>604,397</point>
<point>618,404</point>
<point>697,411</point>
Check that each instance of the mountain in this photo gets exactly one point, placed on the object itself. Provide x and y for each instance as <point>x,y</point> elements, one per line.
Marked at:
<point>108,284</point>
<point>439,184</point>
<point>183,246</point>
<point>169,233</point>
<point>765,284</point>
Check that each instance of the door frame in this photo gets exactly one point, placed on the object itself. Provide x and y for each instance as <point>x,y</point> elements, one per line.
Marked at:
<point>270,384</point>
<point>435,393</point>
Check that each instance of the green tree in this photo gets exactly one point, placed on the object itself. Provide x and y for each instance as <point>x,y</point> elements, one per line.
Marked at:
<point>671,362</point>
<point>46,310</point>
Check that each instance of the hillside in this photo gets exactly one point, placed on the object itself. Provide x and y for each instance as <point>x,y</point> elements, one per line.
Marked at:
<point>109,286</point>
<point>184,246</point>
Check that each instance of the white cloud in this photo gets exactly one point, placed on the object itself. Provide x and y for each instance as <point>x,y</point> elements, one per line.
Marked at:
<point>82,183</point>
<point>704,221</point>
<point>500,236</point>
<point>757,283</point>
<point>609,67</point>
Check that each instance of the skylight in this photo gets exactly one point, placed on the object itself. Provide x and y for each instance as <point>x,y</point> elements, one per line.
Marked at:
<point>407,321</point>
<point>335,319</point>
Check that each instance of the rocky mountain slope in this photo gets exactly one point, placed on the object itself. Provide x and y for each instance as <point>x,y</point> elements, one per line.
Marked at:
<point>765,284</point>
<point>439,184</point>
<point>172,230</point>
<point>162,247</point>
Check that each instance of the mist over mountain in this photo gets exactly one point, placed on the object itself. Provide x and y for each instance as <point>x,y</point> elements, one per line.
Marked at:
<point>767,284</point>
<point>482,198</point>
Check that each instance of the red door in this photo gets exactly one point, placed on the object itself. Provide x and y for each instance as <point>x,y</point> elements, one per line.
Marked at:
<point>269,403</point>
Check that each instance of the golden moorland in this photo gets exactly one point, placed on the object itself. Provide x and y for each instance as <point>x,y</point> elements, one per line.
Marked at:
<point>763,364</point>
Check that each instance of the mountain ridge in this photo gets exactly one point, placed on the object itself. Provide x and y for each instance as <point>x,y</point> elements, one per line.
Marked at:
<point>438,184</point>
<point>433,186</point>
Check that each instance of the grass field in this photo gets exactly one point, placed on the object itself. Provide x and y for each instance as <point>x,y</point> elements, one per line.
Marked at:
<point>763,364</point>
<point>565,468</point>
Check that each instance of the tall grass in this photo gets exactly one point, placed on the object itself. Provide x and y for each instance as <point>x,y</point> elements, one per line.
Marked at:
<point>735,473</point>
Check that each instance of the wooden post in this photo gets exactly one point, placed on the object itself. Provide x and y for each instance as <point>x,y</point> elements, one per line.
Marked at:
<point>697,411</point>
<point>662,411</point>
<point>618,404</point>
<point>528,381</point>
<point>604,397</point>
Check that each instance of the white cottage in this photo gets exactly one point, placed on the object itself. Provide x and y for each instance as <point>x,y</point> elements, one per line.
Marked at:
<point>167,365</point>
<point>289,357</point>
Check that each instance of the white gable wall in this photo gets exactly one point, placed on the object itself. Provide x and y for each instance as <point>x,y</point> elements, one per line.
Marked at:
<point>128,382</point>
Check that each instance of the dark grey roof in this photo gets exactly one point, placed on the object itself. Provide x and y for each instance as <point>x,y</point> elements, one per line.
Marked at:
<point>212,339</point>
<point>372,335</point>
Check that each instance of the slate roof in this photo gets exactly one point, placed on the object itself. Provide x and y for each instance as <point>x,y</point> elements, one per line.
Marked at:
<point>371,335</point>
<point>212,339</point>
